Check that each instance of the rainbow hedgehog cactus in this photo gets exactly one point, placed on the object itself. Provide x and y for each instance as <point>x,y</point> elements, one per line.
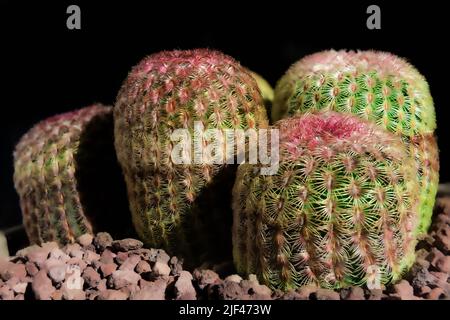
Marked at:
<point>340,211</point>
<point>64,169</point>
<point>184,208</point>
<point>376,86</point>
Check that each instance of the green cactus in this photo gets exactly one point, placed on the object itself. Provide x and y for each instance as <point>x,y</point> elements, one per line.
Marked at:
<point>376,86</point>
<point>342,201</point>
<point>183,208</point>
<point>68,179</point>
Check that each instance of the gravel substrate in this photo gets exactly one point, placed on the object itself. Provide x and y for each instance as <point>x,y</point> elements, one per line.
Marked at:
<point>104,269</point>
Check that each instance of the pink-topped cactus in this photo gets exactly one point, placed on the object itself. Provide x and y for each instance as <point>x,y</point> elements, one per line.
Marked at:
<point>183,208</point>
<point>66,175</point>
<point>341,209</point>
<point>377,86</point>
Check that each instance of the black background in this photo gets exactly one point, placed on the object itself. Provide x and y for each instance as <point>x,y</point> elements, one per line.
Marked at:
<point>48,69</point>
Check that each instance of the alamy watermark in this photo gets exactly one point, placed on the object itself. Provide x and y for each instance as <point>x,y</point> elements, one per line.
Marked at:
<point>226,146</point>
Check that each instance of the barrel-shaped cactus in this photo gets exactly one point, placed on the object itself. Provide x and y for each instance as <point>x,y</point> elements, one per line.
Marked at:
<point>376,86</point>
<point>68,179</point>
<point>341,210</point>
<point>184,208</point>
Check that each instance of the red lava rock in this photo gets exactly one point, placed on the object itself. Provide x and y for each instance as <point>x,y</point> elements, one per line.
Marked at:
<point>291,295</point>
<point>58,254</point>
<point>158,255</point>
<point>20,287</point>
<point>305,292</point>
<point>91,277</point>
<point>42,286</point>
<point>176,265</point>
<point>254,289</point>
<point>325,294</point>
<point>127,244</point>
<point>436,294</point>
<point>11,270</point>
<point>57,272</point>
<point>102,285</point>
<point>403,291</point>
<point>443,239</point>
<point>123,278</point>
<point>102,240</point>
<point>90,257</point>
<point>38,256</point>
<point>74,251</point>
<point>230,290</point>
<point>434,256</point>
<point>31,268</point>
<point>85,239</point>
<point>353,293</point>
<point>130,263</point>
<point>205,277</point>
<point>234,278</point>
<point>6,293</point>
<point>150,290</point>
<point>112,295</point>
<point>107,257</point>
<point>375,294</point>
<point>424,290</point>
<point>184,290</point>
<point>143,267</point>
<point>443,264</point>
<point>161,269</point>
<point>108,269</point>
<point>121,257</point>
<point>71,293</point>
<point>440,278</point>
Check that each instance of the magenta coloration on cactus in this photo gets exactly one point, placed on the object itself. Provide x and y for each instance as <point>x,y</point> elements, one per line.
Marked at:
<point>342,204</point>
<point>377,86</point>
<point>184,209</point>
<point>68,179</point>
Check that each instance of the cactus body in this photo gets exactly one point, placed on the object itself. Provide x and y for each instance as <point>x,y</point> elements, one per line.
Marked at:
<point>266,91</point>
<point>376,86</point>
<point>64,173</point>
<point>341,205</point>
<point>183,208</point>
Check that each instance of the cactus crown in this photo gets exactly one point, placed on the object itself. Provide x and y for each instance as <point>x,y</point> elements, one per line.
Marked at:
<point>341,202</point>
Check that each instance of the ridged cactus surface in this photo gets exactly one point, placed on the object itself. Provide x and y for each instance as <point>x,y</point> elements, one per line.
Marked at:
<point>68,179</point>
<point>376,86</point>
<point>184,208</point>
<point>342,205</point>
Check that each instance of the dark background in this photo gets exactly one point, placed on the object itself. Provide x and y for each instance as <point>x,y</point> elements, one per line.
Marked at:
<point>48,69</point>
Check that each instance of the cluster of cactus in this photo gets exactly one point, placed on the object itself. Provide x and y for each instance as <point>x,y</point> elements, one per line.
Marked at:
<point>358,166</point>
<point>60,171</point>
<point>182,208</point>
<point>376,86</point>
<point>341,203</point>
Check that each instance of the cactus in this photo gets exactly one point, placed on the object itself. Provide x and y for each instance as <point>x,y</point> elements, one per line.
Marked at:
<point>342,204</point>
<point>266,90</point>
<point>376,86</point>
<point>68,178</point>
<point>183,208</point>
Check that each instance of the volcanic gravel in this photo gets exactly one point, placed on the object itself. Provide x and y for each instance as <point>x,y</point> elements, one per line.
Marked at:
<point>99,268</point>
